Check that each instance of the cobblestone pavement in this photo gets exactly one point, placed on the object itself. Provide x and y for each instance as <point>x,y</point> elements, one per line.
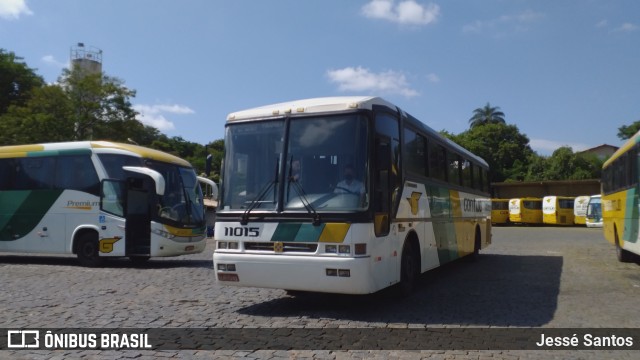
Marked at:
<point>529,277</point>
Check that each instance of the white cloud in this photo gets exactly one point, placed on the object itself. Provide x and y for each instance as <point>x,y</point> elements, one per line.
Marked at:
<point>154,115</point>
<point>406,12</point>
<point>547,147</point>
<point>433,78</point>
<point>515,22</point>
<point>626,27</point>
<point>12,9</point>
<point>51,60</point>
<point>602,23</point>
<point>361,79</point>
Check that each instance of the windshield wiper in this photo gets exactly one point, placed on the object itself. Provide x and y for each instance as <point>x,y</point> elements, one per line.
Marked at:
<point>263,192</point>
<point>303,195</point>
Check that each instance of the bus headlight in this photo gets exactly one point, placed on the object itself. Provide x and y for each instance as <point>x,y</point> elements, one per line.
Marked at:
<point>231,245</point>
<point>337,249</point>
<point>164,234</point>
<point>344,249</point>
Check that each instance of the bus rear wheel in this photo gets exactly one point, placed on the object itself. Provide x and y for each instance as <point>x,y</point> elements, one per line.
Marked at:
<point>622,254</point>
<point>87,250</point>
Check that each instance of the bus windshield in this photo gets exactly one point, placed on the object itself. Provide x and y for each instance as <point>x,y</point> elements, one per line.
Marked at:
<point>182,202</point>
<point>324,167</point>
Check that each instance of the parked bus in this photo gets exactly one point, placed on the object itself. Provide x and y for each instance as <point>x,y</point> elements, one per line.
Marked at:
<point>620,200</point>
<point>344,195</point>
<point>97,200</point>
<point>594,212</point>
<point>557,210</point>
<point>580,210</point>
<point>499,211</point>
<point>525,210</point>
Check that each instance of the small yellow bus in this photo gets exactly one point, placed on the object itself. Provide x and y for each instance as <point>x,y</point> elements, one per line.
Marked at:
<point>525,210</point>
<point>557,210</point>
<point>499,211</point>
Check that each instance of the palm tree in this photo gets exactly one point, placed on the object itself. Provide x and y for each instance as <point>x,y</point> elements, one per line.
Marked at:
<point>486,115</point>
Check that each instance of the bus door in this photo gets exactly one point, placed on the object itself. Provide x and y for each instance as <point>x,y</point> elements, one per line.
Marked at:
<point>386,190</point>
<point>130,200</point>
<point>139,197</point>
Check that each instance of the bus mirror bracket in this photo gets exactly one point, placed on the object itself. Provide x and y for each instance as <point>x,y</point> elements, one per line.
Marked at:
<point>158,179</point>
<point>212,184</point>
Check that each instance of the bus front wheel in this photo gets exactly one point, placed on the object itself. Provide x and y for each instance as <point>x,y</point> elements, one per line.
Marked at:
<point>409,270</point>
<point>87,250</point>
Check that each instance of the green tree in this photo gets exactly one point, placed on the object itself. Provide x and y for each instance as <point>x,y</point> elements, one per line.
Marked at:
<point>101,104</point>
<point>17,81</point>
<point>626,132</point>
<point>81,106</point>
<point>564,164</point>
<point>486,115</point>
<point>45,117</point>
<point>502,146</point>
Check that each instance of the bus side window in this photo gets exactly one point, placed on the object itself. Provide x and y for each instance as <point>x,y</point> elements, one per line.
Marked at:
<point>112,197</point>
<point>77,173</point>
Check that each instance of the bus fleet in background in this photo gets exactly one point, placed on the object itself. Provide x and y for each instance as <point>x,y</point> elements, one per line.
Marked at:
<point>549,210</point>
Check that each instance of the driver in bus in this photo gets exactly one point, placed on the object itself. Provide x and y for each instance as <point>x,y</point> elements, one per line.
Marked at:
<point>349,185</point>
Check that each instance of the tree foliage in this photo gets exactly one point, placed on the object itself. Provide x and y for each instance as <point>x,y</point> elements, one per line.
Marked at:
<point>510,157</point>
<point>626,132</point>
<point>17,81</point>
<point>502,146</point>
<point>82,106</point>
<point>564,164</point>
<point>486,115</point>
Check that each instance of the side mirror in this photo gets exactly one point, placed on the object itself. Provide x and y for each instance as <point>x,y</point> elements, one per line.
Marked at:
<point>207,165</point>
<point>214,187</point>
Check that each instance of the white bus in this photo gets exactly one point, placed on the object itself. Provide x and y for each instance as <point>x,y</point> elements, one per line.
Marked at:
<point>580,210</point>
<point>344,195</point>
<point>594,212</point>
<point>97,200</point>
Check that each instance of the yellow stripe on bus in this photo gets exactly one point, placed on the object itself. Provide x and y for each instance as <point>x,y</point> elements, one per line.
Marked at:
<point>334,232</point>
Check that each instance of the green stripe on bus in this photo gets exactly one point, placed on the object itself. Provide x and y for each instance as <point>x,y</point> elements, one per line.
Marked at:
<point>631,217</point>
<point>59,152</point>
<point>309,233</point>
<point>10,201</point>
<point>28,214</point>
<point>286,232</point>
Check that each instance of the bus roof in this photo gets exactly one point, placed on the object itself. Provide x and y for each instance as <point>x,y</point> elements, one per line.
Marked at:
<point>623,149</point>
<point>338,104</point>
<point>314,105</point>
<point>33,149</point>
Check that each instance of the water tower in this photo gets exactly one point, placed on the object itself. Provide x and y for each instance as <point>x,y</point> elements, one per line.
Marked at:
<point>87,58</point>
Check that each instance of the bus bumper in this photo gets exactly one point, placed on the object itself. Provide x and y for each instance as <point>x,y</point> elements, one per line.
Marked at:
<point>168,247</point>
<point>344,275</point>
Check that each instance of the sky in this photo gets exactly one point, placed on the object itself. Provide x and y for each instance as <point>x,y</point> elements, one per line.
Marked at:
<point>566,73</point>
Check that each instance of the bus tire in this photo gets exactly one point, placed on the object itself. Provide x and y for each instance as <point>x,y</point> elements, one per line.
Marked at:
<point>409,269</point>
<point>87,250</point>
<point>622,254</point>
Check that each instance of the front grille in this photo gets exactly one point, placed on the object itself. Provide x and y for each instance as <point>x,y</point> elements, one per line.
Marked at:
<point>286,247</point>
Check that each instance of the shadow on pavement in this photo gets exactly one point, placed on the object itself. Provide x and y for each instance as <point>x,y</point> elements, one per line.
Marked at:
<point>153,263</point>
<point>498,290</point>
